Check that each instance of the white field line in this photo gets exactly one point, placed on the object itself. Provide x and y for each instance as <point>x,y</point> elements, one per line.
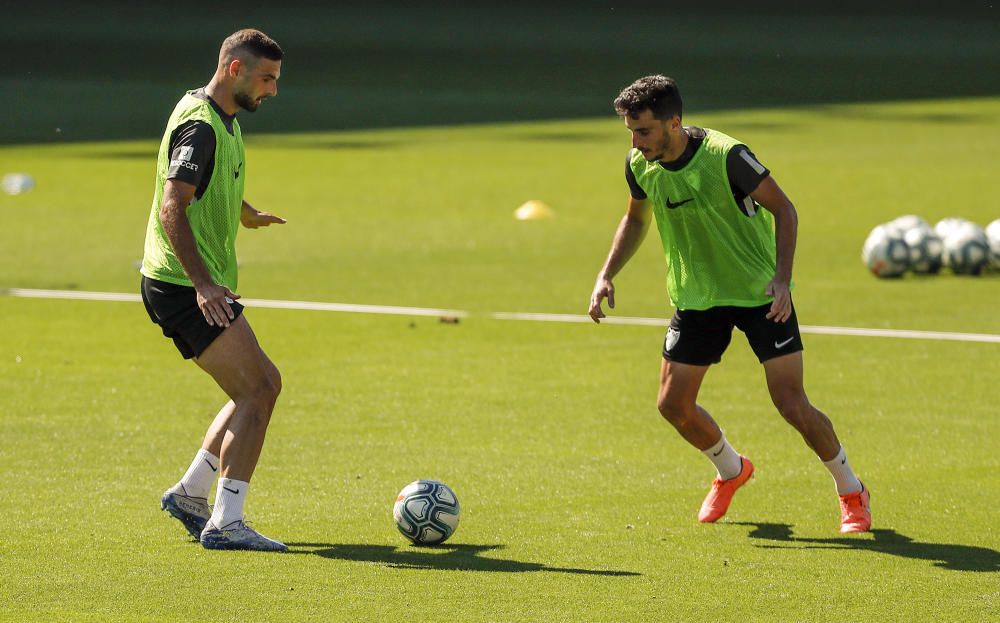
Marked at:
<point>306,305</point>
<point>457,313</point>
<point>916,335</point>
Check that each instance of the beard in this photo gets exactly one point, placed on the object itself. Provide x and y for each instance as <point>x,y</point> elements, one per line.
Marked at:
<point>245,102</point>
<point>659,151</point>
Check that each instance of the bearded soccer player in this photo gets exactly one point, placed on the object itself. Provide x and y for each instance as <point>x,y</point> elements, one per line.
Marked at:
<point>189,278</point>
<point>729,264</point>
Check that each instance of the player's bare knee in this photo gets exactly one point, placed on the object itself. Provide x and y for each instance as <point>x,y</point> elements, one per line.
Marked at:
<point>261,394</point>
<point>274,379</point>
<point>268,386</point>
<point>673,410</point>
<point>796,411</point>
<point>269,390</point>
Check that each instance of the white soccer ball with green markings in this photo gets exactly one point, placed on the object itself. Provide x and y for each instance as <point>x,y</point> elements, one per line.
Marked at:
<point>966,249</point>
<point>926,250</point>
<point>946,226</point>
<point>907,222</point>
<point>993,237</point>
<point>885,252</point>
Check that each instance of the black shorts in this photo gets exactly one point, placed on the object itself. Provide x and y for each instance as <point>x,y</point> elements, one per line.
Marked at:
<point>700,337</point>
<point>175,309</point>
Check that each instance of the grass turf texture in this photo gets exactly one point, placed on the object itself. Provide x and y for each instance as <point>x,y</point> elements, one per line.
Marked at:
<point>578,501</point>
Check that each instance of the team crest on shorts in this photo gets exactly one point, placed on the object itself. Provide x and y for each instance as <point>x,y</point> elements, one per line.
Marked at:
<point>673,335</point>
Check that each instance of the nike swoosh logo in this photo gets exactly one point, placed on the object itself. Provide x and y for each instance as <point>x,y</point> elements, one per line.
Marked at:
<point>783,344</point>
<point>674,206</point>
<point>233,491</point>
<point>214,469</point>
<point>718,453</point>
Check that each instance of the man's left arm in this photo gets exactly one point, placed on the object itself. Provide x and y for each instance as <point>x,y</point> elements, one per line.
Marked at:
<point>253,218</point>
<point>786,224</point>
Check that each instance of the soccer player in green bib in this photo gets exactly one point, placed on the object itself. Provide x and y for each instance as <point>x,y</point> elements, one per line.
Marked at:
<point>729,264</point>
<point>189,279</point>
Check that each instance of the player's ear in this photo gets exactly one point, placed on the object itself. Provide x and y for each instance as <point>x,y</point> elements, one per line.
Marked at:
<point>235,66</point>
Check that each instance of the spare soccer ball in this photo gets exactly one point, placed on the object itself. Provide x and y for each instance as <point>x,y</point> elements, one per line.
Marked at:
<point>967,250</point>
<point>426,512</point>
<point>993,236</point>
<point>946,226</point>
<point>885,252</point>
<point>926,250</point>
<point>908,222</point>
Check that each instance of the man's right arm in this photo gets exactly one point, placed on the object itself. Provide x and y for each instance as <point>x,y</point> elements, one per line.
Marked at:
<point>177,195</point>
<point>630,234</point>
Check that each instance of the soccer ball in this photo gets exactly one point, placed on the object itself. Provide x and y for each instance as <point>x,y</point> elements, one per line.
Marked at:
<point>993,236</point>
<point>905,223</point>
<point>946,226</point>
<point>926,250</point>
<point>885,252</point>
<point>967,250</point>
<point>426,512</point>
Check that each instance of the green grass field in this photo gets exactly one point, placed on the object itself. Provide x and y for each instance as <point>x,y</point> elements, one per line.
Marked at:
<point>579,502</point>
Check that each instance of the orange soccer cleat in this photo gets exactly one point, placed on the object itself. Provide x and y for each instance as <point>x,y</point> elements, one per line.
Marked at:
<point>856,511</point>
<point>717,502</point>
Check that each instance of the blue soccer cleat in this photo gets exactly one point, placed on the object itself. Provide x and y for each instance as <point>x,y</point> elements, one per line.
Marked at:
<point>193,512</point>
<point>238,535</point>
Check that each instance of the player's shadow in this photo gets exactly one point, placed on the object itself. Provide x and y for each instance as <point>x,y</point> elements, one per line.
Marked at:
<point>458,557</point>
<point>884,541</point>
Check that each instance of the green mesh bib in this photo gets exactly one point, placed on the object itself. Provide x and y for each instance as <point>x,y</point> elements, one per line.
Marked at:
<point>214,217</point>
<point>716,254</point>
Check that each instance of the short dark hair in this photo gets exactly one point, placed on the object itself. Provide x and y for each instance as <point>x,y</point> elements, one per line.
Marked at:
<point>252,41</point>
<point>656,93</point>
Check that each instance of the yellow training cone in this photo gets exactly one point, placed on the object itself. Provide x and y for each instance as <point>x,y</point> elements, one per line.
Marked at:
<point>533,210</point>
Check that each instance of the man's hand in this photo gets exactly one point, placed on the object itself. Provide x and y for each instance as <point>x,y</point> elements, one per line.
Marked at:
<point>603,289</point>
<point>252,218</point>
<point>212,300</point>
<point>781,306</point>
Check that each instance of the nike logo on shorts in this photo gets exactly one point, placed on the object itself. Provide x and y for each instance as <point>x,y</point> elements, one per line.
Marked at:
<point>783,344</point>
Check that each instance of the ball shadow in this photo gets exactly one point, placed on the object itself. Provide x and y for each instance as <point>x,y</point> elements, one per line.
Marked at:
<point>446,557</point>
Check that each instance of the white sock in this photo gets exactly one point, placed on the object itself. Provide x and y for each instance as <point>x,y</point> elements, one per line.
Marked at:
<point>198,479</point>
<point>727,461</point>
<point>229,500</point>
<point>842,473</point>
